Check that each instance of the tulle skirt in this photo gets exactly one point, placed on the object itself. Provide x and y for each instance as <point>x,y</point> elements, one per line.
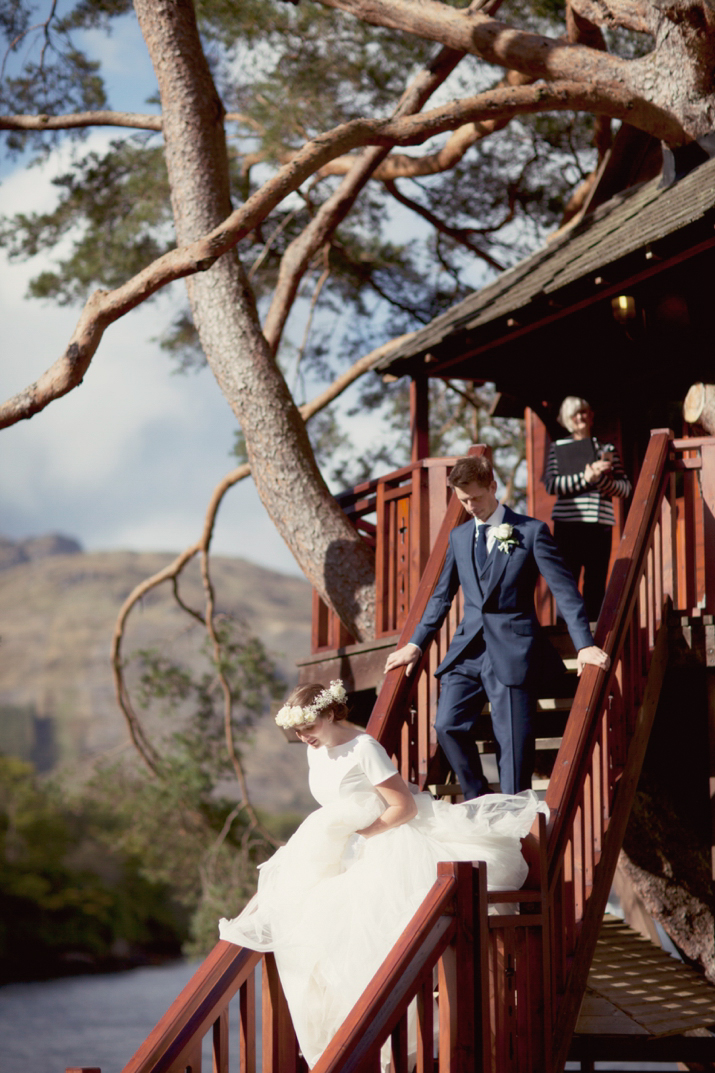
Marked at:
<point>330,904</point>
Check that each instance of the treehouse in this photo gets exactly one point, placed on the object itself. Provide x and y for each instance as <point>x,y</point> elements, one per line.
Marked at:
<point>616,309</point>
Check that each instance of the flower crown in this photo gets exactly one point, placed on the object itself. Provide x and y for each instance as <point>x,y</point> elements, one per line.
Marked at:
<point>295,716</point>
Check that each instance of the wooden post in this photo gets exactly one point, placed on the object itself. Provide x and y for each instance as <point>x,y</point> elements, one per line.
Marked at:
<point>220,1042</point>
<point>707,486</point>
<point>280,1051</point>
<point>419,417</point>
<point>538,503</point>
<point>482,993</point>
<point>456,980</point>
<point>247,1026</point>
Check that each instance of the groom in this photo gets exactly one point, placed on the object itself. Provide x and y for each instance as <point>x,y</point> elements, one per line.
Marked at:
<point>499,652</point>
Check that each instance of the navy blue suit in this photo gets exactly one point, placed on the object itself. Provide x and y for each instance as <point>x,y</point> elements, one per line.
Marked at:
<point>499,651</point>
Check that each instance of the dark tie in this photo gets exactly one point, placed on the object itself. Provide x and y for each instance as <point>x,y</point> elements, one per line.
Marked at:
<point>482,545</point>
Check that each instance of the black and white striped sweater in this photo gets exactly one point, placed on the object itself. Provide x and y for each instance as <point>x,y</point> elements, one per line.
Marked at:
<point>582,502</point>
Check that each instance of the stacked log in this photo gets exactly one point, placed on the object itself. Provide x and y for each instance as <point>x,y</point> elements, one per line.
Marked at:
<point>699,409</point>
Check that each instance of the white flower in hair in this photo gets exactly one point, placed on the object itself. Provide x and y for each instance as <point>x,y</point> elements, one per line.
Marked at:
<point>294,715</point>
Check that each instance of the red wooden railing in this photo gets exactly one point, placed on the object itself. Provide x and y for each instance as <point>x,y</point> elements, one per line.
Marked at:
<point>202,1009</point>
<point>446,933</point>
<point>666,558</point>
<point>509,985</point>
<point>400,515</point>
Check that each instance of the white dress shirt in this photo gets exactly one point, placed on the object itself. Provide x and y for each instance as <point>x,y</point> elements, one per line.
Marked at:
<point>492,522</point>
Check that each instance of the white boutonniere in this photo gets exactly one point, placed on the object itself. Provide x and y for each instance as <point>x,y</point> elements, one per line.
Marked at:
<point>504,536</point>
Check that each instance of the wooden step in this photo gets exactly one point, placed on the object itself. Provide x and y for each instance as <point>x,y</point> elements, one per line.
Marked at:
<point>550,721</point>
<point>542,744</point>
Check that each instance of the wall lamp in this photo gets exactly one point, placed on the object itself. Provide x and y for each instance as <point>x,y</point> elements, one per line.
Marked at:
<point>623,307</point>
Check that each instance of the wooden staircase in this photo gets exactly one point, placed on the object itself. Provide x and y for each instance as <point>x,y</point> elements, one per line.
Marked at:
<point>509,984</point>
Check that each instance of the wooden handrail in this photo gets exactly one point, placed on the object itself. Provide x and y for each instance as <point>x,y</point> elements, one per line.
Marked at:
<point>445,914</point>
<point>568,1009</point>
<point>573,757</point>
<point>196,1008</point>
<point>386,997</point>
<point>397,686</point>
<point>591,828</point>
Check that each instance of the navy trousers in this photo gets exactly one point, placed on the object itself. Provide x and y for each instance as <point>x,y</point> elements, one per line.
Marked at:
<point>464,691</point>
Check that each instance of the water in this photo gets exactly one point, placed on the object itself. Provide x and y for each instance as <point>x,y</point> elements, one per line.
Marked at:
<point>84,1020</point>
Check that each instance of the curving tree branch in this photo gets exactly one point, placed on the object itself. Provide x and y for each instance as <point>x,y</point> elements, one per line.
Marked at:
<point>105,307</point>
<point>629,14</point>
<point>102,118</point>
<point>173,570</point>
<point>404,166</point>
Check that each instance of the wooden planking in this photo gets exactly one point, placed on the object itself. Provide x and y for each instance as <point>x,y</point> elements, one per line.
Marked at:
<point>638,1047</point>
<point>657,994</point>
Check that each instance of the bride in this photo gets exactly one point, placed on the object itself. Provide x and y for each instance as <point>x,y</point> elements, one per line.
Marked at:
<point>333,901</point>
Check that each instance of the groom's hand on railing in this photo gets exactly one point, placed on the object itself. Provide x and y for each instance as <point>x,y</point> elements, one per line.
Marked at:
<point>407,656</point>
<point>593,655</point>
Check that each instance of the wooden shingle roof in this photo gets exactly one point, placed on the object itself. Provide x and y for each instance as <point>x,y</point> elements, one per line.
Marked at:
<point>639,220</point>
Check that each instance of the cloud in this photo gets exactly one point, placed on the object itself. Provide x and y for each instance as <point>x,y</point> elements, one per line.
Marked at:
<point>130,458</point>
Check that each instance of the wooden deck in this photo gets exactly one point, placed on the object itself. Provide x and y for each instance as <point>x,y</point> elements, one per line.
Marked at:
<point>641,1002</point>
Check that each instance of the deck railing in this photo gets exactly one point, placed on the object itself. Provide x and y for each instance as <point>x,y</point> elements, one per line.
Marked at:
<point>447,933</point>
<point>399,514</point>
<point>202,1013</point>
<point>508,1003</point>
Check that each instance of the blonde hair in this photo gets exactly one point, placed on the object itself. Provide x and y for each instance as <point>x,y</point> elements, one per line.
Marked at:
<point>570,406</point>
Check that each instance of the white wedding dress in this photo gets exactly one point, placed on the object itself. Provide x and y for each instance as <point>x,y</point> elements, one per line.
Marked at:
<point>331,904</point>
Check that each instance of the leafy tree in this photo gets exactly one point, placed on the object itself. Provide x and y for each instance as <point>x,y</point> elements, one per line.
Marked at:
<point>66,899</point>
<point>176,815</point>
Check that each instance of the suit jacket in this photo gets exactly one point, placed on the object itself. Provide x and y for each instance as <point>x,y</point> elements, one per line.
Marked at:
<point>501,602</point>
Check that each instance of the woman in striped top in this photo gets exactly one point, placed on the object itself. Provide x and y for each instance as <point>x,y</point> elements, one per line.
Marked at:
<point>583,514</point>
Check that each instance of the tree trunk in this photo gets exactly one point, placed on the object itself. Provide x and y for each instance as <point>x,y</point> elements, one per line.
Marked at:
<point>326,546</point>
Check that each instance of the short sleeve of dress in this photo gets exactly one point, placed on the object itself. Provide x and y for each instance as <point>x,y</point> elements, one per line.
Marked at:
<point>374,761</point>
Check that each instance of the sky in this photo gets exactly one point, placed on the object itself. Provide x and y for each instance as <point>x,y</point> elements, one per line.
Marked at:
<point>129,459</point>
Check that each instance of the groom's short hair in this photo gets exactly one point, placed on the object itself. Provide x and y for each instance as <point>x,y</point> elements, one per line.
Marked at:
<point>474,469</point>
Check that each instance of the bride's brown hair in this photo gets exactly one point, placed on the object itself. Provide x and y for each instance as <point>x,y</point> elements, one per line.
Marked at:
<point>303,697</point>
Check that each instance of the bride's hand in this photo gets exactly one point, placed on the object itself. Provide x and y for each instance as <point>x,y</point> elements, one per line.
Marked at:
<point>401,807</point>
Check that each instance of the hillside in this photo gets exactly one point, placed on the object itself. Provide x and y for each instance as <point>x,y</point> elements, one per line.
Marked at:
<point>58,606</point>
